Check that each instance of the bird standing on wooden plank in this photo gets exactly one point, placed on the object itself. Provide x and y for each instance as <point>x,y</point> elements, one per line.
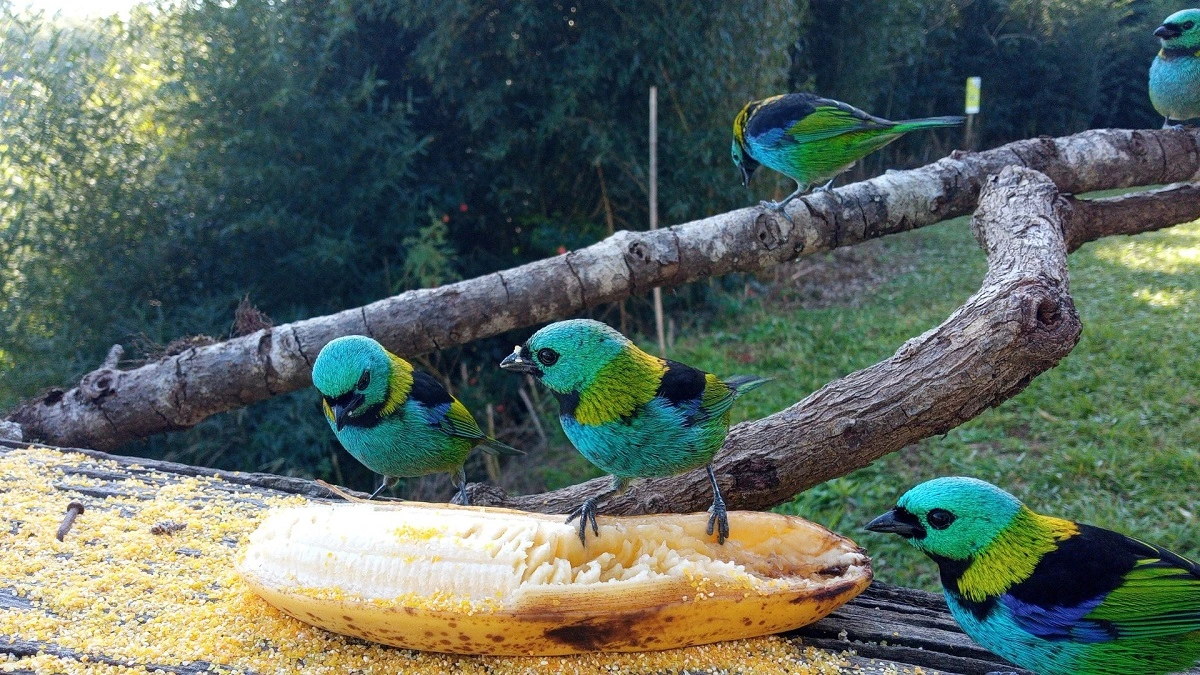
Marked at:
<point>1050,595</point>
<point>628,412</point>
<point>1175,72</point>
<point>812,139</point>
<point>397,421</point>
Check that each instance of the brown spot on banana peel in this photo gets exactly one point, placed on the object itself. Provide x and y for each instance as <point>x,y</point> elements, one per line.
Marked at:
<point>600,633</point>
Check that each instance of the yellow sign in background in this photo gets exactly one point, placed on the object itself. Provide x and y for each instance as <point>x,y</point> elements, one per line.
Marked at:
<point>973,85</point>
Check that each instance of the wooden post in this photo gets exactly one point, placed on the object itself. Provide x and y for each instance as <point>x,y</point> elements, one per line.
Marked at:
<point>658,306</point>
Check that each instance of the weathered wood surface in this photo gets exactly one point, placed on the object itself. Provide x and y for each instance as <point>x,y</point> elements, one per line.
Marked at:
<point>889,629</point>
<point>112,407</point>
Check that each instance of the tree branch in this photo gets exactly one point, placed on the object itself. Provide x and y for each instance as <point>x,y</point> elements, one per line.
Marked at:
<point>1092,219</point>
<point>1019,324</point>
<point>180,391</point>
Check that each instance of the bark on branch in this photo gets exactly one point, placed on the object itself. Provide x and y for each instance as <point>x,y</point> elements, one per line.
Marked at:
<point>180,391</point>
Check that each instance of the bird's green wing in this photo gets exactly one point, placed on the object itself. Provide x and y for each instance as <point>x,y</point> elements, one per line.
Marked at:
<point>457,421</point>
<point>828,121</point>
<point>1159,596</point>
<point>718,397</point>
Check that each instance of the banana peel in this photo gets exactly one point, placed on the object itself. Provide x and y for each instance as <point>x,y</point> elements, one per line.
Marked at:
<point>479,580</point>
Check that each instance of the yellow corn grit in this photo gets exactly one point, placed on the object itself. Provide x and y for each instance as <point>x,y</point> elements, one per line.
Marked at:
<point>146,579</point>
<point>478,580</point>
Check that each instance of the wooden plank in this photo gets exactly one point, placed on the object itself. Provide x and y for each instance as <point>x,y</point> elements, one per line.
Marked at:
<point>885,630</point>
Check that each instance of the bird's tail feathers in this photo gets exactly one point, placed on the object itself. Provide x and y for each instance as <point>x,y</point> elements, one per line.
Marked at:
<point>494,447</point>
<point>744,383</point>
<point>929,123</point>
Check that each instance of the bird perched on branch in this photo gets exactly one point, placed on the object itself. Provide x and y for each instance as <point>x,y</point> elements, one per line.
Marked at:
<point>1175,72</point>
<point>812,139</point>
<point>397,421</point>
<point>1050,595</point>
<point>631,414</point>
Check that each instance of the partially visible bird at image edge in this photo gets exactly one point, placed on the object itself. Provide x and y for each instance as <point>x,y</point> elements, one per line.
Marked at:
<point>1175,71</point>
<point>630,413</point>
<point>397,421</point>
<point>1051,595</point>
<point>811,139</point>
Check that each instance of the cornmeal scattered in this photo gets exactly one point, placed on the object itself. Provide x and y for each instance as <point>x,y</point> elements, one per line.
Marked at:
<point>114,598</point>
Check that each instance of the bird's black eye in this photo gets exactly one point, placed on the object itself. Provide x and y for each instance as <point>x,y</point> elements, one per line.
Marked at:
<point>363,381</point>
<point>939,519</point>
<point>1187,25</point>
<point>547,356</point>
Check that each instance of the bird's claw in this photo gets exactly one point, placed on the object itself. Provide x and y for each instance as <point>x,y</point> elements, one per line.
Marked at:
<point>461,497</point>
<point>719,517</point>
<point>586,513</point>
<point>777,207</point>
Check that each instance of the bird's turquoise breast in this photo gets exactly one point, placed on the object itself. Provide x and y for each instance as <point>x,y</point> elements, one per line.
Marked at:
<point>774,151</point>
<point>405,444</point>
<point>815,162</point>
<point>999,632</point>
<point>1175,87</point>
<point>655,441</point>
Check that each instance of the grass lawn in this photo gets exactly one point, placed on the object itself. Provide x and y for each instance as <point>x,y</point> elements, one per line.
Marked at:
<point>1110,437</point>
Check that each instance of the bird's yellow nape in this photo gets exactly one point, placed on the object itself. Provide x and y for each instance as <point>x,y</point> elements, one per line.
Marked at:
<point>739,124</point>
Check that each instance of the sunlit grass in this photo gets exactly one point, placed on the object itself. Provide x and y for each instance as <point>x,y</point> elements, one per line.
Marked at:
<point>1165,298</point>
<point>1111,436</point>
<point>1176,252</point>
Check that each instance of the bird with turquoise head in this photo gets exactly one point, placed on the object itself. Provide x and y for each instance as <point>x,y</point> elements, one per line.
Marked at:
<point>632,414</point>
<point>1175,71</point>
<point>1051,595</point>
<point>811,139</point>
<point>397,421</point>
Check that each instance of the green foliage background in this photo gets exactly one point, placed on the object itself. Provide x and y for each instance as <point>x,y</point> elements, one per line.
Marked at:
<point>319,155</point>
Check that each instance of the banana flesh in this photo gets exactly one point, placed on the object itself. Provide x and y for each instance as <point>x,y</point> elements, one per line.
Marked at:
<point>478,580</point>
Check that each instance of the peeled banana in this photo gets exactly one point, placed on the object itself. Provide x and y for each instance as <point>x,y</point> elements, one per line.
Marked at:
<point>477,580</point>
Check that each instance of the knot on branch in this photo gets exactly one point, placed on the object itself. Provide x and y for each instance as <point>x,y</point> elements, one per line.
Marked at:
<point>651,258</point>
<point>1046,313</point>
<point>102,381</point>
<point>1046,321</point>
<point>768,230</point>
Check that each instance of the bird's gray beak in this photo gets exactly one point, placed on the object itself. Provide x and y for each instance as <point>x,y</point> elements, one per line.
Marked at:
<point>517,363</point>
<point>745,175</point>
<point>342,411</point>
<point>1167,31</point>
<point>888,522</point>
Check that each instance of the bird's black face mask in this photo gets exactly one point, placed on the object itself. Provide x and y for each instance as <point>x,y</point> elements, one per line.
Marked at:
<point>1168,31</point>
<point>343,406</point>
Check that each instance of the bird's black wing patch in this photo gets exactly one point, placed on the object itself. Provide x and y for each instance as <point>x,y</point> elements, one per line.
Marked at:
<point>428,391</point>
<point>781,113</point>
<point>1083,567</point>
<point>681,383</point>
